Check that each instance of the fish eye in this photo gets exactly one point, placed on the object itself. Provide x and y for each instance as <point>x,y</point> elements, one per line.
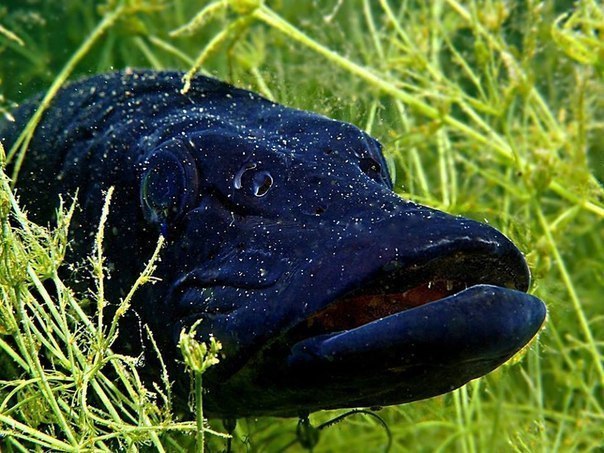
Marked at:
<point>169,184</point>
<point>260,181</point>
<point>263,182</point>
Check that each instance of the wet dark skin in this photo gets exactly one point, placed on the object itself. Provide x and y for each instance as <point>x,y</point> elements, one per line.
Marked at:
<point>326,289</point>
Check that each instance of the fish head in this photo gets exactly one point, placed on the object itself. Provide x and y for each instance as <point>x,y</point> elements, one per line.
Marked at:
<point>325,288</point>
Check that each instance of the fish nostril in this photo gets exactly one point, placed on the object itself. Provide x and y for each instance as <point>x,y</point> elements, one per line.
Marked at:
<point>316,210</point>
<point>388,206</point>
<point>370,166</point>
<point>320,210</point>
<point>263,181</point>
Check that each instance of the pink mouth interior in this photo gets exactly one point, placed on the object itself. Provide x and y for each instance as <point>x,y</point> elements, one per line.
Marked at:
<point>350,312</point>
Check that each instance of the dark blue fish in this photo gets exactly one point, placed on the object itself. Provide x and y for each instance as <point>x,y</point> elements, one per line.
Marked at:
<point>326,289</point>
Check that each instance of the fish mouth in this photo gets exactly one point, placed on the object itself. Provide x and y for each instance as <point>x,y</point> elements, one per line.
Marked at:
<point>395,288</point>
<point>412,332</point>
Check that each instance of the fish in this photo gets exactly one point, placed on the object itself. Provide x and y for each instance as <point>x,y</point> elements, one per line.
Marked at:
<point>284,240</point>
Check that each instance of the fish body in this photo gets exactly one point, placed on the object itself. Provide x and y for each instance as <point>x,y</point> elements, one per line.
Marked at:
<point>283,236</point>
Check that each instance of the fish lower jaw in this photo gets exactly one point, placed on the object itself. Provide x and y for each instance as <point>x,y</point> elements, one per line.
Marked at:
<point>479,327</point>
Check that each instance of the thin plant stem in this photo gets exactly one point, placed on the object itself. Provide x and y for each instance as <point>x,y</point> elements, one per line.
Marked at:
<point>200,440</point>
<point>20,146</point>
<point>570,287</point>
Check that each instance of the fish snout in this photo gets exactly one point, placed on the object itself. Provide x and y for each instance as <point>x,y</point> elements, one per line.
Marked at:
<point>401,240</point>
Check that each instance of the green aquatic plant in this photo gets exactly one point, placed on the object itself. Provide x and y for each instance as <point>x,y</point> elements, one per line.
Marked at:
<point>62,387</point>
<point>198,357</point>
<point>490,109</point>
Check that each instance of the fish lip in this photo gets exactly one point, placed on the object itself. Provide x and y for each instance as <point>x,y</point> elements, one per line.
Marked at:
<point>512,319</point>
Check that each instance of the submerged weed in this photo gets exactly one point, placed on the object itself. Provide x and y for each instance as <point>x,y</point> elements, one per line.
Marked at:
<point>62,387</point>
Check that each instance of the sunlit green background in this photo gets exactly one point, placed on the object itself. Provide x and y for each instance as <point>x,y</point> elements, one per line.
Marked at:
<point>492,109</point>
